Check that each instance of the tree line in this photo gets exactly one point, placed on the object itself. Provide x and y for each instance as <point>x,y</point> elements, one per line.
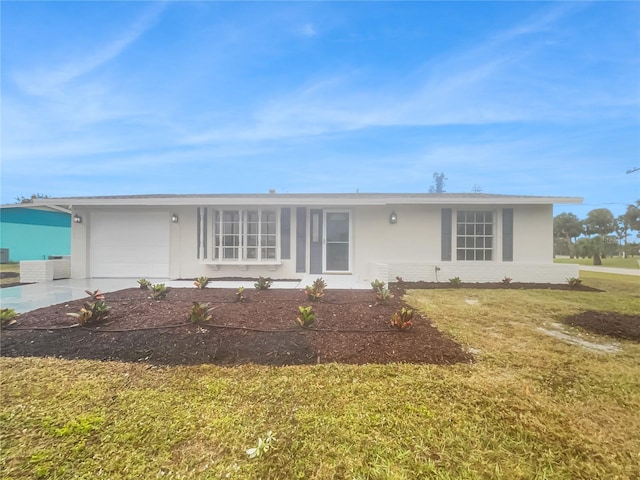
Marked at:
<point>598,235</point>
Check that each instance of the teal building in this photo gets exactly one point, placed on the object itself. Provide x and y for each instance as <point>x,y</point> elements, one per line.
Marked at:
<point>34,234</point>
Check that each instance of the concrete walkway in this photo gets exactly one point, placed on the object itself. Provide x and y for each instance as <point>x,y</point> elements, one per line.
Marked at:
<point>618,271</point>
<point>25,298</point>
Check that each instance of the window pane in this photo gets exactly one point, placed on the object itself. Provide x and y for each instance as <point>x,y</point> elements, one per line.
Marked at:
<point>338,257</point>
<point>268,253</point>
<point>474,239</point>
<point>337,227</point>
<point>252,253</point>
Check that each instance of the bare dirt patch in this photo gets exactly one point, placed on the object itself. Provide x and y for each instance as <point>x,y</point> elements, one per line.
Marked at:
<point>349,328</point>
<point>611,324</point>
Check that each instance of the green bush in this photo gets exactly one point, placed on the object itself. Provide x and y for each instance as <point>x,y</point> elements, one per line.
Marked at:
<point>159,291</point>
<point>201,282</point>
<point>402,319</point>
<point>199,312</point>
<point>316,291</point>
<point>7,316</point>
<point>263,283</point>
<point>306,316</point>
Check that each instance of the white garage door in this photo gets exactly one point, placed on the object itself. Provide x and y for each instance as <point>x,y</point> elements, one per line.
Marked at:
<point>132,244</point>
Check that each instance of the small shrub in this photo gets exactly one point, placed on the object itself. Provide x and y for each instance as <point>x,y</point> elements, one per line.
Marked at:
<point>263,283</point>
<point>383,295</point>
<point>377,284</point>
<point>144,284</point>
<point>455,282</point>
<point>316,291</point>
<point>306,316</point>
<point>402,319</point>
<point>95,294</point>
<point>159,291</point>
<point>201,282</point>
<point>506,280</point>
<point>199,312</point>
<point>7,316</point>
<point>574,282</point>
<point>92,312</point>
<point>263,446</point>
<point>240,295</point>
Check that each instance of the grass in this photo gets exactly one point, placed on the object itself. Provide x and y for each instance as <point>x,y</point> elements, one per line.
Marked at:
<point>614,262</point>
<point>531,407</point>
<point>9,267</point>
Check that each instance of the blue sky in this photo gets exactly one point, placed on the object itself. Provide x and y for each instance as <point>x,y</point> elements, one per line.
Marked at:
<point>103,98</point>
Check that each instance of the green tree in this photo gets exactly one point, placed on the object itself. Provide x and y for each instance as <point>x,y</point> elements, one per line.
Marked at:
<point>31,198</point>
<point>438,183</point>
<point>632,217</point>
<point>599,222</point>
<point>567,226</point>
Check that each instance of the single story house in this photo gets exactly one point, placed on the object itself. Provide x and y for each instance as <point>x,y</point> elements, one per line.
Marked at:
<point>431,237</point>
<point>28,232</point>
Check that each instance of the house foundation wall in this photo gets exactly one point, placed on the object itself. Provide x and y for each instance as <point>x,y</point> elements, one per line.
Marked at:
<point>478,273</point>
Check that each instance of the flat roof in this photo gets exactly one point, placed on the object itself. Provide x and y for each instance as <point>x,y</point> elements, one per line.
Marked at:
<point>308,199</point>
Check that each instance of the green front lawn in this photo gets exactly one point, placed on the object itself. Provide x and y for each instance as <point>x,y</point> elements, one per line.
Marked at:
<point>615,262</point>
<point>9,267</point>
<point>530,407</point>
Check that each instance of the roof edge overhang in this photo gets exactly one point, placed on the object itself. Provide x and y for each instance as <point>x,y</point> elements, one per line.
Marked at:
<point>49,207</point>
<point>287,199</point>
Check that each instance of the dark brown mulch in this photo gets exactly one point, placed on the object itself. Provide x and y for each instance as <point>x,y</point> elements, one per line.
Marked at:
<point>612,324</point>
<point>372,340</point>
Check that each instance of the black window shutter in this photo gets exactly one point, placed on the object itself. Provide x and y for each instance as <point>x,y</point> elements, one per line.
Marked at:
<point>446,234</point>
<point>285,233</point>
<point>199,233</point>
<point>301,239</point>
<point>507,234</point>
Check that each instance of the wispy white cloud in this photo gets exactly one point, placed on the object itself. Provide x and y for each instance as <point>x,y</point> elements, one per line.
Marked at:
<point>484,84</point>
<point>307,30</point>
<point>48,80</point>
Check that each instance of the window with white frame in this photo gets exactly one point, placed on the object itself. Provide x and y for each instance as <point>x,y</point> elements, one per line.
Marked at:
<point>474,235</point>
<point>242,235</point>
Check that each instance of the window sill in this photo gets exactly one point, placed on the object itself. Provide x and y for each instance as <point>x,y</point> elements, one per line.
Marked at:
<point>242,264</point>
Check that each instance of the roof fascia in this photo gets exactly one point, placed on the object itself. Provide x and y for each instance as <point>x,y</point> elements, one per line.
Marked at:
<point>311,200</point>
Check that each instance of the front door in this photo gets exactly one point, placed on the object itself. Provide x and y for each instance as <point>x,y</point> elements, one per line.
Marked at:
<point>337,241</point>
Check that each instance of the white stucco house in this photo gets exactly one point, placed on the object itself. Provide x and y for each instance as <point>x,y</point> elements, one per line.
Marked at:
<point>477,237</point>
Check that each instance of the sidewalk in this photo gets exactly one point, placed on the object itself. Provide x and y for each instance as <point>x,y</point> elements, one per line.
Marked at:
<point>618,271</point>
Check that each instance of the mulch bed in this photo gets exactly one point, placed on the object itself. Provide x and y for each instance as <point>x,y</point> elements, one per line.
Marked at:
<point>612,324</point>
<point>370,338</point>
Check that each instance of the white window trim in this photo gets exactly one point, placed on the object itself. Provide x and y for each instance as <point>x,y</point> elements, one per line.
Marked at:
<point>495,236</point>
<point>241,260</point>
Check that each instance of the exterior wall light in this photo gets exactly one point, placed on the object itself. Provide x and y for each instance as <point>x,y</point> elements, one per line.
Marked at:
<point>77,218</point>
<point>393,218</point>
<point>174,218</point>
